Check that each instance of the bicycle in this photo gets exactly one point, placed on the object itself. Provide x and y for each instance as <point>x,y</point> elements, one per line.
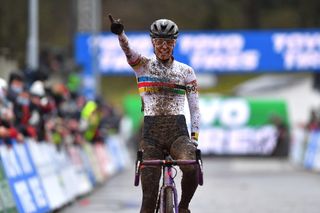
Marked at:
<point>167,196</point>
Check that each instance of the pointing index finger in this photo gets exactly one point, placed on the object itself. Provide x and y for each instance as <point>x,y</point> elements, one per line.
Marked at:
<point>111,18</point>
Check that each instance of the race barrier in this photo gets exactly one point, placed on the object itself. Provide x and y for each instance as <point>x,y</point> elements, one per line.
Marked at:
<point>312,155</point>
<point>7,203</point>
<point>305,149</point>
<point>41,177</point>
<point>298,145</point>
<point>24,182</point>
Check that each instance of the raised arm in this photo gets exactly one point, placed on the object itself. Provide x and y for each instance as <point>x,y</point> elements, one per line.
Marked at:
<point>134,59</point>
<point>193,101</point>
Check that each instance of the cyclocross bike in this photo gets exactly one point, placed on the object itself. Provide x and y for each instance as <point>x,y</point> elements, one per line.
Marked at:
<point>168,196</point>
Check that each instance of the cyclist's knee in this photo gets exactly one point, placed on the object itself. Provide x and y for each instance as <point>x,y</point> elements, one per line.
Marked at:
<point>182,148</point>
<point>180,141</point>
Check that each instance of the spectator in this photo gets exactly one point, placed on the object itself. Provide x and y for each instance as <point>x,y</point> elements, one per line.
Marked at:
<point>7,130</point>
<point>5,103</point>
<point>313,122</point>
<point>23,114</point>
<point>92,116</point>
<point>57,114</point>
<point>16,85</point>
<point>38,109</point>
<point>283,139</point>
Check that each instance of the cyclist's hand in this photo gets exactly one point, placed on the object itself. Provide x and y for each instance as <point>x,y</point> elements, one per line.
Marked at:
<point>116,25</point>
<point>194,142</point>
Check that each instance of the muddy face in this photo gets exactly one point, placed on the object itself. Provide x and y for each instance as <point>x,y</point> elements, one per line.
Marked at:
<point>163,48</point>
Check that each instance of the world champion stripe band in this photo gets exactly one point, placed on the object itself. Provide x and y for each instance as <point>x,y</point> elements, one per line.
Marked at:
<point>158,85</point>
<point>161,89</point>
<point>161,84</point>
<point>152,79</point>
<point>195,135</point>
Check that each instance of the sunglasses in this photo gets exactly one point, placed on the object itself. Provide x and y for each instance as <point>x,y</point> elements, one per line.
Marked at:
<point>161,41</point>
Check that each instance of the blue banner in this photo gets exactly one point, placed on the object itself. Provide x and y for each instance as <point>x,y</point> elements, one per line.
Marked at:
<point>24,182</point>
<point>210,51</point>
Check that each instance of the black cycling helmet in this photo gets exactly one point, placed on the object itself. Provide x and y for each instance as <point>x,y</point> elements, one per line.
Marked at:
<point>164,28</point>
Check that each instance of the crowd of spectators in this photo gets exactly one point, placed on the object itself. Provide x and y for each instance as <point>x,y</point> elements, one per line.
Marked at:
<point>57,113</point>
<point>314,120</point>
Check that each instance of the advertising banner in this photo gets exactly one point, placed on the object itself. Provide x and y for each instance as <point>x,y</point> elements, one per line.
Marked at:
<point>118,152</point>
<point>89,170</point>
<point>7,204</point>
<point>298,145</point>
<point>103,160</point>
<point>47,170</point>
<point>91,158</point>
<point>84,185</point>
<point>24,182</point>
<point>312,155</point>
<point>232,126</point>
<point>209,51</point>
<point>296,50</point>
<point>67,174</point>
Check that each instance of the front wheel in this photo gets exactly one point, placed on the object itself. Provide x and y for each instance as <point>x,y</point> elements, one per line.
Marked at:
<point>168,200</point>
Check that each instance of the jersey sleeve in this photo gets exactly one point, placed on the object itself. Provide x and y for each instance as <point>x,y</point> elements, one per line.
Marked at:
<point>193,101</point>
<point>135,60</point>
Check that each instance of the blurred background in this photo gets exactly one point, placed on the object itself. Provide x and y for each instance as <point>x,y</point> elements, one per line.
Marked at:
<point>51,39</point>
<point>257,64</point>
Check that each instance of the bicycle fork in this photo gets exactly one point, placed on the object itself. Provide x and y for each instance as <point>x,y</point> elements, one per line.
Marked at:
<point>168,183</point>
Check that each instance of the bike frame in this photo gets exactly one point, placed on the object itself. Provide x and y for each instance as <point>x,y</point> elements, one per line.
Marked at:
<point>167,177</point>
<point>168,182</point>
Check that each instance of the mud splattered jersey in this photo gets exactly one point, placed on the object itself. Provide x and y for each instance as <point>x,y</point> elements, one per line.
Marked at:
<point>164,86</point>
